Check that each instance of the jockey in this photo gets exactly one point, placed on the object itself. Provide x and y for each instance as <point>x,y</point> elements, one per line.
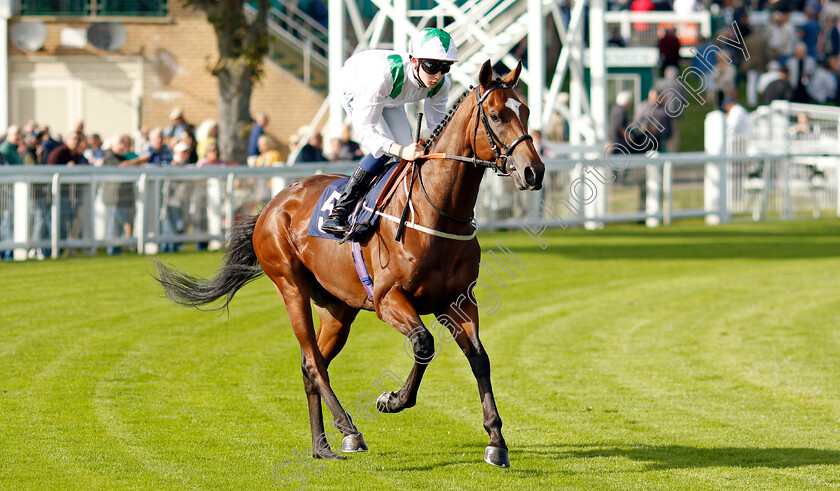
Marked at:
<point>376,86</point>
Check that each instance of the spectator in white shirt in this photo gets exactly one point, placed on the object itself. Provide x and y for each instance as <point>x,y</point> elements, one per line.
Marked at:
<point>737,118</point>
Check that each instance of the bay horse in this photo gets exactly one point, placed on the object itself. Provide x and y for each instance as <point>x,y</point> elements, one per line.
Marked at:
<point>424,273</point>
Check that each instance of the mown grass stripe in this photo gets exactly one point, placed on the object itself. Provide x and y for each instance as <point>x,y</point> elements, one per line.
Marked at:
<point>681,357</point>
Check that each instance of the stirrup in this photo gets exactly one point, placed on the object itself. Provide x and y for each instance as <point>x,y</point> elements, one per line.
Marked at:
<point>338,221</point>
<point>334,225</point>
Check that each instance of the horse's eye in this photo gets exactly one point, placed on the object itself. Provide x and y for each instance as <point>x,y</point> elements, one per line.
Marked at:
<point>494,117</point>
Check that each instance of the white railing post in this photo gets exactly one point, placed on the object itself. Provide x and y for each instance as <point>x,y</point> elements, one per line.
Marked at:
<point>153,211</point>
<point>653,195</point>
<point>55,222</point>
<point>626,31</point>
<point>594,209</point>
<point>140,214</point>
<point>714,178</point>
<point>230,199</point>
<point>785,174</point>
<point>277,185</point>
<point>21,219</point>
<point>534,202</point>
<point>837,183</point>
<point>91,221</point>
<point>667,188</point>
<point>215,192</point>
<point>100,220</point>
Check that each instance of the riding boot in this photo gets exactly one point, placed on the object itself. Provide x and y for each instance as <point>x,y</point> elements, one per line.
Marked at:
<point>336,223</point>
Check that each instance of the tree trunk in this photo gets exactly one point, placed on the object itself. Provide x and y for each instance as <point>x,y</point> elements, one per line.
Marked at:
<point>242,45</point>
<point>234,113</point>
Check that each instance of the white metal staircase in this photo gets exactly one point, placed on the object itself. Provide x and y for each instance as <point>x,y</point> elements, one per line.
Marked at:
<point>486,34</point>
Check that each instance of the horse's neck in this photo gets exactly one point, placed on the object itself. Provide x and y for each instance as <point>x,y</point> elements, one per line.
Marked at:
<point>453,186</point>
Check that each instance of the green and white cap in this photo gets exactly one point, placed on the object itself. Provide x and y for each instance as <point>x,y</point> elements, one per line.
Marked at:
<point>433,44</point>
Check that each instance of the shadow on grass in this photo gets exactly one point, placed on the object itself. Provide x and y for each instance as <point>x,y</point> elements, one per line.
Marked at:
<point>661,457</point>
<point>654,457</point>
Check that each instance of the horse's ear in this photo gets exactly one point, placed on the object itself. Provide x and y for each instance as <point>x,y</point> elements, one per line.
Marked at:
<point>486,74</point>
<point>512,78</point>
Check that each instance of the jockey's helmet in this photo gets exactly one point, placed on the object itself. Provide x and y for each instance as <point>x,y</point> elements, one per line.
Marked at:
<point>433,44</point>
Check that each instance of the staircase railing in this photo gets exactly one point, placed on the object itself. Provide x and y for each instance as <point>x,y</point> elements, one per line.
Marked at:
<point>298,42</point>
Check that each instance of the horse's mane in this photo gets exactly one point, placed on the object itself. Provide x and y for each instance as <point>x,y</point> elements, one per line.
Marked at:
<point>437,131</point>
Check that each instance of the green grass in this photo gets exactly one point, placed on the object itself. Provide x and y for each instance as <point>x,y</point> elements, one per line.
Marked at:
<point>684,357</point>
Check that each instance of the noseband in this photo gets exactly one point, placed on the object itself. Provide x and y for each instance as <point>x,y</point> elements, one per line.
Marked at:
<point>501,151</point>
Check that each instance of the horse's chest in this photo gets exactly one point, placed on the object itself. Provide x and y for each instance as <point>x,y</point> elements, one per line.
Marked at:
<point>432,279</point>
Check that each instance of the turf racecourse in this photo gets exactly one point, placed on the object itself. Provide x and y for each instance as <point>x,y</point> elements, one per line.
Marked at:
<point>686,357</point>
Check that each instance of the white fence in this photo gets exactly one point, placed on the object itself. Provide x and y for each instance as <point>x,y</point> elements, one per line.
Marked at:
<point>799,175</point>
<point>150,209</point>
<point>166,207</point>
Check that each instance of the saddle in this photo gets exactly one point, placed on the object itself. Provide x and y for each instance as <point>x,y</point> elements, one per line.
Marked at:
<point>363,219</point>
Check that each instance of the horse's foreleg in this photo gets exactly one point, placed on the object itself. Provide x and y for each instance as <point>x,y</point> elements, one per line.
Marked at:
<point>463,323</point>
<point>395,309</point>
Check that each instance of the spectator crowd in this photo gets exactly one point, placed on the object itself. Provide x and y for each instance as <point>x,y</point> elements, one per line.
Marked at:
<point>778,60</point>
<point>178,144</point>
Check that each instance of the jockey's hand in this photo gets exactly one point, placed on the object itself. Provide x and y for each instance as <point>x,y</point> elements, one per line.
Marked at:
<point>409,152</point>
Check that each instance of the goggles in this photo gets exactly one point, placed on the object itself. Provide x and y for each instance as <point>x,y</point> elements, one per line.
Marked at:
<point>433,66</point>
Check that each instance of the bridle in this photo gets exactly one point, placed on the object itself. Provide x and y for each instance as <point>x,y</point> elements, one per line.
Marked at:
<point>500,164</point>
<point>501,151</point>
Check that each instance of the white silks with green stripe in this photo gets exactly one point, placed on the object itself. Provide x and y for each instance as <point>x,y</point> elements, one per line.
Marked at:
<point>379,80</point>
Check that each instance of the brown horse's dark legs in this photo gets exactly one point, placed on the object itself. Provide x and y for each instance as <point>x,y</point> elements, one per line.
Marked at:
<point>335,318</point>
<point>294,289</point>
<point>463,323</point>
<point>395,309</point>
<point>480,364</point>
<point>320,446</point>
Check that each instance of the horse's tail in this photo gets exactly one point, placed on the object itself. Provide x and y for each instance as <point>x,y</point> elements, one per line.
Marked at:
<point>239,266</point>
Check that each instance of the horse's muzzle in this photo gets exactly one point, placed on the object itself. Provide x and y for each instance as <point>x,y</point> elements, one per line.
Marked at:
<point>529,179</point>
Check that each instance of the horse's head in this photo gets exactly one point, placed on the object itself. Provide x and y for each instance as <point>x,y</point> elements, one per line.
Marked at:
<point>503,119</point>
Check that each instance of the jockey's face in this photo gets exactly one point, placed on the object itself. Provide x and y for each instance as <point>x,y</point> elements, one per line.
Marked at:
<point>423,67</point>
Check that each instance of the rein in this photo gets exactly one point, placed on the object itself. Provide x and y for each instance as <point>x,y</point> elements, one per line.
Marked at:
<point>443,213</point>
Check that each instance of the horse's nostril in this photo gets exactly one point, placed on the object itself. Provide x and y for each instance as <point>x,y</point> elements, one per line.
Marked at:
<point>530,176</point>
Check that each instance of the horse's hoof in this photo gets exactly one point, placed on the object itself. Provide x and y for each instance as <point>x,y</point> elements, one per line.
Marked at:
<point>382,403</point>
<point>497,456</point>
<point>353,443</point>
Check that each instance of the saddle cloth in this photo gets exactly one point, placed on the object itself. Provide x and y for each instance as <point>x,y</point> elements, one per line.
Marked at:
<point>360,215</point>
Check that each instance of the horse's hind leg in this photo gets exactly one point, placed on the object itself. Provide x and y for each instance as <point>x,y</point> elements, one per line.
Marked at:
<point>395,309</point>
<point>295,290</point>
<point>335,320</point>
<point>463,323</point>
